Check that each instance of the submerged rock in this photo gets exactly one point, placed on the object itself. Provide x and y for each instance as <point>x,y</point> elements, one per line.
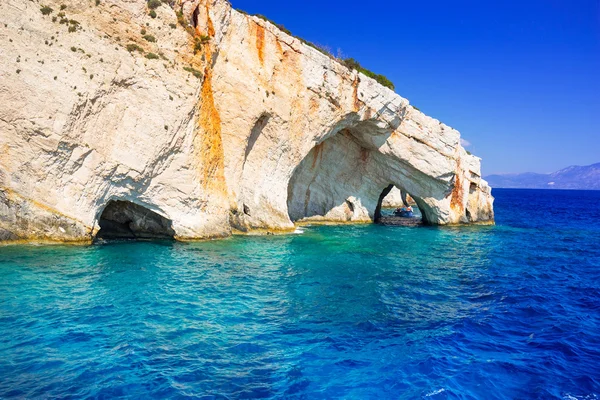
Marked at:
<point>239,127</point>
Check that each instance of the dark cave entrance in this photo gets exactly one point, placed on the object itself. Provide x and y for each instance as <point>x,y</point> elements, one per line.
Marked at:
<point>127,220</point>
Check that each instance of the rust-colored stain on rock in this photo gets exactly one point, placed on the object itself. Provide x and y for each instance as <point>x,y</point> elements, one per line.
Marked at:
<point>318,154</point>
<point>456,201</point>
<point>279,49</point>
<point>208,140</point>
<point>288,73</point>
<point>364,155</point>
<point>209,23</point>
<point>260,42</point>
<point>306,200</point>
<point>357,102</point>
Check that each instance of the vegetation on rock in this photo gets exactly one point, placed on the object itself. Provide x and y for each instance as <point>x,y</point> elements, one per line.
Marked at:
<point>348,62</point>
<point>351,63</point>
<point>194,72</point>
<point>154,4</point>
<point>131,47</point>
<point>46,10</point>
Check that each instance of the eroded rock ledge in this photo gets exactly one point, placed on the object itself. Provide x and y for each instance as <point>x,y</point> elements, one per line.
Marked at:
<point>244,128</point>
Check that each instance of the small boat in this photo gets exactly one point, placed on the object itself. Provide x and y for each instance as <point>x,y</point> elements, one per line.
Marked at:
<point>404,213</point>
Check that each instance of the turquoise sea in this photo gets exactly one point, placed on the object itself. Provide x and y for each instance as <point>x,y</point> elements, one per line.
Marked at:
<point>510,311</point>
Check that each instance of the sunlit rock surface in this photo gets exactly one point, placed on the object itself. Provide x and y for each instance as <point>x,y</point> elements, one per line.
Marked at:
<point>393,199</point>
<point>242,128</point>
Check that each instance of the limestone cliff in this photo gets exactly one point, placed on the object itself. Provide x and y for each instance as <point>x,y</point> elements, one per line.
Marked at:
<point>210,120</point>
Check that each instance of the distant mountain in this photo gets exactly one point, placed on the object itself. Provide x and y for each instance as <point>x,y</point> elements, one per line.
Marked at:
<point>575,177</point>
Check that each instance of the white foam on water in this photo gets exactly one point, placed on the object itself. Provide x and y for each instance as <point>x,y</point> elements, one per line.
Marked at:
<point>442,390</point>
<point>298,231</point>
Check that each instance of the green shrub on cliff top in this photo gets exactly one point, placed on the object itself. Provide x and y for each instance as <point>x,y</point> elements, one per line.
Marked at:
<point>281,27</point>
<point>46,10</point>
<point>351,63</point>
<point>348,62</point>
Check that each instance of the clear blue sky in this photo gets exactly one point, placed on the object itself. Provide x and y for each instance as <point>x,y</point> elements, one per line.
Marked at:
<point>519,79</point>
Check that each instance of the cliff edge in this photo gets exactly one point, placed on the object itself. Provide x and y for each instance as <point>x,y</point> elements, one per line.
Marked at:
<point>192,118</point>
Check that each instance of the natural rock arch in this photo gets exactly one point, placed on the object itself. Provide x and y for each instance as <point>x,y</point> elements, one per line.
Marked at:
<point>347,176</point>
<point>127,220</point>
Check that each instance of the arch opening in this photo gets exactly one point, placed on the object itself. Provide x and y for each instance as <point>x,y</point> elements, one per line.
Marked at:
<point>333,183</point>
<point>391,201</point>
<point>346,178</point>
<point>127,220</point>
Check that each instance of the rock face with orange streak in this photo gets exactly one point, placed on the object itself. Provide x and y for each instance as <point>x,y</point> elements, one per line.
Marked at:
<point>252,131</point>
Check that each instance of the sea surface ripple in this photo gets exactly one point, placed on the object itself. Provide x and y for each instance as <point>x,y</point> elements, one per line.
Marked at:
<point>510,311</point>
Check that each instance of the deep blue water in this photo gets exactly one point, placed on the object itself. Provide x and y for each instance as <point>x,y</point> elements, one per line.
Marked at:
<point>355,312</point>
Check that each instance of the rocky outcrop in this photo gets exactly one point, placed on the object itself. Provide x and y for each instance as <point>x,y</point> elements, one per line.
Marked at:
<point>212,119</point>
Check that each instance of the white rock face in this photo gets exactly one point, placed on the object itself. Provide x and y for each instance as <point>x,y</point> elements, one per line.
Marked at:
<point>394,199</point>
<point>248,130</point>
